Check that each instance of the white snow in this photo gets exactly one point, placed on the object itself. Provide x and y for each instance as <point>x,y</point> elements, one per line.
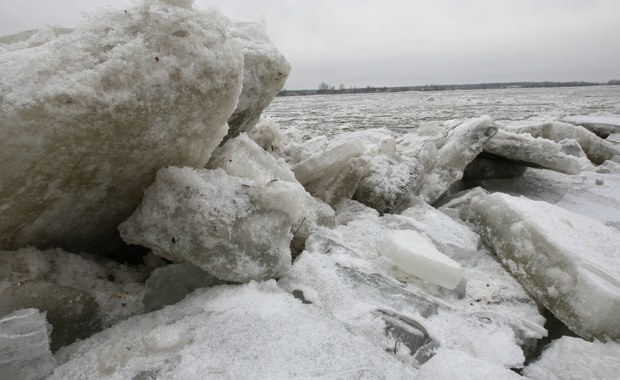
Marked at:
<point>242,332</point>
<point>451,365</point>
<point>417,255</point>
<point>571,358</point>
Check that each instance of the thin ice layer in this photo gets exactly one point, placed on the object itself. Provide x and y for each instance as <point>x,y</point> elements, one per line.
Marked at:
<point>417,255</point>
<point>567,261</point>
<point>246,331</point>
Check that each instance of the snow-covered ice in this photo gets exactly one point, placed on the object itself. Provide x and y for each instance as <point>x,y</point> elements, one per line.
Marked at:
<point>343,208</point>
<point>100,109</point>
<point>533,151</point>
<point>568,262</point>
<point>244,332</point>
<point>229,226</point>
<point>571,358</point>
<point>602,125</point>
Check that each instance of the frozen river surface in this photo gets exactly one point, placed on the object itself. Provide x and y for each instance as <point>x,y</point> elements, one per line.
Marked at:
<point>403,111</point>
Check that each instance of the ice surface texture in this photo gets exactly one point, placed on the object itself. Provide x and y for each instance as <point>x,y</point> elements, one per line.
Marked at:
<point>81,295</point>
<point>243,332</point>
<point>100,109</point>
<point>571,358</point>
<point>417,255</point>
<point>569,262</point>
<point>24,346</point>
<point>229,226</point>
<point>265,71</point>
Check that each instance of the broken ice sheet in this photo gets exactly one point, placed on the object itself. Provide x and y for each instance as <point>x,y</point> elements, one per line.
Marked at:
<point>229,226</point>
<point>254,330</point>
<point>594,194</point>
<point>100,109</point>
<point>571,358</point>
<point>416,254</point>
<point>342,272</point>
<point>568,262</point>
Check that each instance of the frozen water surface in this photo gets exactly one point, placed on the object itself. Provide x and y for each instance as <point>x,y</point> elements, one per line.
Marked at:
<point>372,280</point>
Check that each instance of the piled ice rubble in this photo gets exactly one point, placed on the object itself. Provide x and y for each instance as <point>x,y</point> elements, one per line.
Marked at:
<point>101,108</point>
<point>80,294</point>
<point>567,261</point>
<point>128,129</point>
<point>242,332</point>
<point>264,72</point>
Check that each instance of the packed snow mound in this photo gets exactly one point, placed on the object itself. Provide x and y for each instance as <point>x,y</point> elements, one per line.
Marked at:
<point>601,125</point>
<point>568,262</point>
<point>571,358</point>
<point>235,229</point>
<point>242,332</point>
<point>265,71</point>
<point>24,345</point>
<point>101,108</point>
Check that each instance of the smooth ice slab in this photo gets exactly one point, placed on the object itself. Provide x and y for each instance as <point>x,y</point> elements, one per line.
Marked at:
<point>537,151</point>
<point>417,255</point>
<point>602,125</point>
<point>569,262</point>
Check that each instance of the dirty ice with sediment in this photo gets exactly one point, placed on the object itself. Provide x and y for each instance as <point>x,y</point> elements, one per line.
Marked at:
<point>162,216</point>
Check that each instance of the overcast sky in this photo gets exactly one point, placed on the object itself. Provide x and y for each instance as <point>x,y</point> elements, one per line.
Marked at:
<point>406,42</point>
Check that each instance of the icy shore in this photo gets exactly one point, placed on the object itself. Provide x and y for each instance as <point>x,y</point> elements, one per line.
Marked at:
<point>432,254</point>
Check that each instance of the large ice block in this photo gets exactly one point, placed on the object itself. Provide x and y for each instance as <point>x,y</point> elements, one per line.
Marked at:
<point>234,228</point>
<point>264,72</point>
<point>249,331</point>
<point>569,262</point>
<point>89,117</point>
<point>417,255</point>
<point>534,151</point>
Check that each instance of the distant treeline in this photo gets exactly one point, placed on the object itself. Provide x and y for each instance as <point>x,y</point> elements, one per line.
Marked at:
<point>327,89</point>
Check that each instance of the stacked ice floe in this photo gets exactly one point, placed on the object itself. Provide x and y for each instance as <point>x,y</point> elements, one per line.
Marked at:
<point>141,126</point>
